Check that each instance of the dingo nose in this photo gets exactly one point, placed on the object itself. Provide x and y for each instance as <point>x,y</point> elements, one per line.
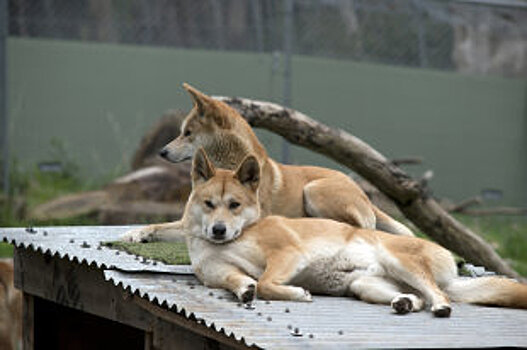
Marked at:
<point>219,230</point>
<point>163,153</point>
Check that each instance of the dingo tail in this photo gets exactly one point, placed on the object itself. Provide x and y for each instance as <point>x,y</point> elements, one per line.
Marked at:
<point>496,291</point>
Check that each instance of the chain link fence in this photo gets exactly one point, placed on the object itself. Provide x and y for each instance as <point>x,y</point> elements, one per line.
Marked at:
<point>483,37</point>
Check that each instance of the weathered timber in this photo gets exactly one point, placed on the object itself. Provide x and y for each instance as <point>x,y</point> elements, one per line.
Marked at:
<point>463,205</point>
<point>411,196</point>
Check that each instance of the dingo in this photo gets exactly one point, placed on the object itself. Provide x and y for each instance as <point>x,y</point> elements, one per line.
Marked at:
<point>292,191</point>
<point>282,258</point>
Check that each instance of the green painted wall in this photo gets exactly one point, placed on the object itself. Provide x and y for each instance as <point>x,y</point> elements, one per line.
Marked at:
<point>98,99</point>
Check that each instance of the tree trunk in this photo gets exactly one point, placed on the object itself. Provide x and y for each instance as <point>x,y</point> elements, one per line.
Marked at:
<point>412,197</point>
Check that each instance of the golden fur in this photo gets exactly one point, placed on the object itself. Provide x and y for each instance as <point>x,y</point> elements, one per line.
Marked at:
<point>292,191</point>
<point>284,258</point>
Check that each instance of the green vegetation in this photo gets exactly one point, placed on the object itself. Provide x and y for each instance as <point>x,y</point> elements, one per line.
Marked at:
<point>6,250</point>
<point>507,234</point>
<point>169,253</point>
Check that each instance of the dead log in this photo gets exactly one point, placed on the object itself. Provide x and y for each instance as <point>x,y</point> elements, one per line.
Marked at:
<point>463,205</point>
<point>412,197</point>
<point>163,131</point>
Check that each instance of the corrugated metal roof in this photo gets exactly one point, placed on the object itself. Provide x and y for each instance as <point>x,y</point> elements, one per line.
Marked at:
<point>327,322</point>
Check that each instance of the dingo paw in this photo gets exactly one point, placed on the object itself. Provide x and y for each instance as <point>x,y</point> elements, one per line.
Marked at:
<point>247,295</point>
<point>402,304</point>
<point>301,294</point>
<point>405,303</point>
<point>139,235</point>
<point>441,310</point>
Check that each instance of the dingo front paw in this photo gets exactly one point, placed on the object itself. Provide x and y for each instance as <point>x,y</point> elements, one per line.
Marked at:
<point>301,294</point>
<point>139,235</point>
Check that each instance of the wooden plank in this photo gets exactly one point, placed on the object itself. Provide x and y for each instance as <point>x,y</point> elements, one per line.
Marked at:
<point>28,322</point>
<point>149,341</point>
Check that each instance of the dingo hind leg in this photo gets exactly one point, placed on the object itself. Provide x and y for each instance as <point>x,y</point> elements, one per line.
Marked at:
<point>339,199</point>
<point>387,224</point>
<point>415,271</point>
<point>379,290</point>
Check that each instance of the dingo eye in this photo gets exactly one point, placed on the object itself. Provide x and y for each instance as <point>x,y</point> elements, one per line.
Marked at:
<point>187,133</point>
<point>234,205</point>
<point>209,204</point>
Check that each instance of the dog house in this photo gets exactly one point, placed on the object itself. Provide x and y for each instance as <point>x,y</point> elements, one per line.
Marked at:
<point>81,295</point>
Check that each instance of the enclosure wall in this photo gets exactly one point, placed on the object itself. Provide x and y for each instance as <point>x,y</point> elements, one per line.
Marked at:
<point>95,101</point>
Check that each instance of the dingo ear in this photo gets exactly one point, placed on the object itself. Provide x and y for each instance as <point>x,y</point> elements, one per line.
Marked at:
<point>201,101</point>
<point>248,173</point>
<point>202,168</point>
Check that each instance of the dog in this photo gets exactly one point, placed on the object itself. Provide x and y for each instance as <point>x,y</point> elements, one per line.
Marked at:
<point>292,191</point>
<point>281,258</point>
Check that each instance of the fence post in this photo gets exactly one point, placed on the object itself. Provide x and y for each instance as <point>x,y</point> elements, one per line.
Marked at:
<point>287,48</point>
<point>421,34</point>
<point>4,125</point>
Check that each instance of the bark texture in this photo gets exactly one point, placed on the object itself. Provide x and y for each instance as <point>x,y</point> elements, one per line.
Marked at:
<point>411,196</point>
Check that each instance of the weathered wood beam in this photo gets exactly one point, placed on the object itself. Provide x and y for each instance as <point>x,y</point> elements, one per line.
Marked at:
<point>412,197</point>
<point>463,205</point>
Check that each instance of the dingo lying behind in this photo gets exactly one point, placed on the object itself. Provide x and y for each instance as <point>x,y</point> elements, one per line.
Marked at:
<point>281,258</point>
<point>292,191</point>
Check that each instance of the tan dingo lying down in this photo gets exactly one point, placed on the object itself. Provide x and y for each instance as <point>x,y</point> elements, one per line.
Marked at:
<point>286,259</point>
<point>292,191</point>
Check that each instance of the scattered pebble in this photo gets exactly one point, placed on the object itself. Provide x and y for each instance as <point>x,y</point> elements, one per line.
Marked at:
<point>296,332</point>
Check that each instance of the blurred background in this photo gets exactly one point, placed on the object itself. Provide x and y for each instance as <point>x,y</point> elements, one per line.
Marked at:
<point>83,82</point>
<point>440,80</point>
<point>91,89</point>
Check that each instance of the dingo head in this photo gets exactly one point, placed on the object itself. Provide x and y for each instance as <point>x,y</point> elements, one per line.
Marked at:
<point>201,127</point>
<point>223,202</point>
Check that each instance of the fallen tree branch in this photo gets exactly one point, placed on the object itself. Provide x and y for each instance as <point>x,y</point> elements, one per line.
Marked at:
<point>463,205</point>
<point>411,196</point>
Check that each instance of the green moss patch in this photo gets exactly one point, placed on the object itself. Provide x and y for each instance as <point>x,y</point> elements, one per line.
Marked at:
<point>170,253</point>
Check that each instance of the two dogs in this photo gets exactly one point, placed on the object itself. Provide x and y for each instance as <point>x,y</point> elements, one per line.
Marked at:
<point>235,243</point>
